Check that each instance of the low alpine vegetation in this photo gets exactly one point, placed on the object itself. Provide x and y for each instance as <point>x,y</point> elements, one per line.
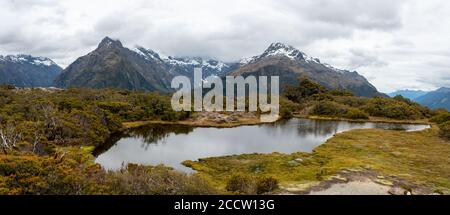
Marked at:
<point>314,99</point>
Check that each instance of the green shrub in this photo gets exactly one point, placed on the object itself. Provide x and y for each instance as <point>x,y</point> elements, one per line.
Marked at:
<point>158,180</point>
<point>241,184</point>
<point>288,108</point>
<point>352,101</point>
<point>114,107</point>
<point>79,116</point>
<point>441,118</point>
<point>390,108</point>
<point>354,113</point>
<point>322,97</point>
<point>303,91</point>
<point>328,108</point>
<point>286,113</point>
<point>73,173</point>
<point>403,99</point>
<point>341,92</point>
<point>445,129</point>
<point>266,185</point>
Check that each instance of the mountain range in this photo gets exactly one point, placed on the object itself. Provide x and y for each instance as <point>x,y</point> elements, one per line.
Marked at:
<point>115,66</point>
<point>409,94</point>
<point>439,98</point>
<point>28,71</point>
<point>289,63</point>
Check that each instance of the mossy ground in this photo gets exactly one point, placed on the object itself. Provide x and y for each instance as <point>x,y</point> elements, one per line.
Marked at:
<point>419,158</point>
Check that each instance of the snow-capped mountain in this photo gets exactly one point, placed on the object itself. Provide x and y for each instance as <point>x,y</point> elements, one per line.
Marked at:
<point>186,65</point>
<point>290,63</point>
<point>28,59</point>
<point>278,50</point>
<point>28,71</point>
<point>112,65</point>
<point>282,50</point>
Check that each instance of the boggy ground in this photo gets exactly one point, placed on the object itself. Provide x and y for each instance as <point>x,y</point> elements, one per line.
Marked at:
<point>385,162</point>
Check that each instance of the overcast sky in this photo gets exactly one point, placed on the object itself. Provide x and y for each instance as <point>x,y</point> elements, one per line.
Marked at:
<point>394,44</point>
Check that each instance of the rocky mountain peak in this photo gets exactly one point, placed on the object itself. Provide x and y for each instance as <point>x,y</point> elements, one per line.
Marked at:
<point>149,54</point>
<point>278,46</point>
<point>186,65</point>
<point>281,50</point>
<point>107,42</point>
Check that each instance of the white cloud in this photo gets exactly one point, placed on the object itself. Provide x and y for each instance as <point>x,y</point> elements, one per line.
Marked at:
<point>394,43</point>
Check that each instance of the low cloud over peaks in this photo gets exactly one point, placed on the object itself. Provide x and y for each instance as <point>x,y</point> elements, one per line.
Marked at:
<point>382,39</point>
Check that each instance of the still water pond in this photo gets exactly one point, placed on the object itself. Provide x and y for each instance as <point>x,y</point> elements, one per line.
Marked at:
<point>172,144</point>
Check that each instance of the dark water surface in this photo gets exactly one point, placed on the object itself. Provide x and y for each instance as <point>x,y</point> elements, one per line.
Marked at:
<point>172,144</point>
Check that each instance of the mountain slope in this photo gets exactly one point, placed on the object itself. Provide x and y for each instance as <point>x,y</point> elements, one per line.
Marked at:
<point>289,63</point>
<point>410,94</point>
<point>436,99</point>
<point>112,65</point>
<point>185,65</point>
<point>28,71</point>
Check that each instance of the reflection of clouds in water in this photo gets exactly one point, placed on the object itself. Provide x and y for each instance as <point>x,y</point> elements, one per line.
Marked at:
<point>157,134</point>
<point>170,145</point>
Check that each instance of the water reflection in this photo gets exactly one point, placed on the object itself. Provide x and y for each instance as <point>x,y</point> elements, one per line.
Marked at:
<point>172,144</point>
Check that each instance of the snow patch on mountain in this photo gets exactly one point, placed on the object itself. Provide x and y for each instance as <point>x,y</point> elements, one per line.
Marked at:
<point>38,61</point>
<point>283,50</point>
<point>274,50</point>
<point>211,64</point>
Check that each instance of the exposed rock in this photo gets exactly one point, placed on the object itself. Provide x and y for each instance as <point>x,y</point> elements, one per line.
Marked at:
<point>397,191</point>
<point>384,182</point>
<point>339,178</point>
<point>299,160</point>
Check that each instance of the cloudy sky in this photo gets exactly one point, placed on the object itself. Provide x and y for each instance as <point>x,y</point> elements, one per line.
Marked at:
<point>395,44</point>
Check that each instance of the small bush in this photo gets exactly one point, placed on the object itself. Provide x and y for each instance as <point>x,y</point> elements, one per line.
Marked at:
<point>356,114</point>
<point>114,107</point>
<point>241,184</point>
<point>445,130</point>
<point>391,108</point>
<point>327,108</point>
<point>75,174</point>
<point>266,185</point>
<point>303,91</point>
<point>351,101</point>
<point>286,113</point>
<point>341,92</point>
<point>158,180</point>
<point>287,108</point>
<point>441,118</point>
